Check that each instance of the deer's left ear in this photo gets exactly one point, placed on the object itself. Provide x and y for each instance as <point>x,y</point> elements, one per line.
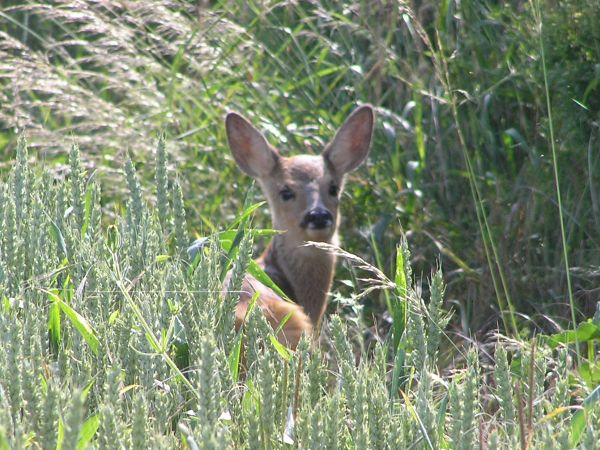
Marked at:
<point>249,147</point>
<point>352,141</point>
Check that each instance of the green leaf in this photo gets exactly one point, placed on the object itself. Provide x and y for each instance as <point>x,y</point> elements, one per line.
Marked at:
<point>6,306</point>
<point>415,415</point>
<point>113,238</point>
<point>87,390</point>
<point>281,349</point>
<point>251,305</point>
<point>78,321</point>
<point>4,444</point>
<point>283,322</point>
<point>397,303</point>
<point>161,258</point>
<point>400,275</point>
<point>152,342</point>
<point>87,432</point>
<point>246,214</point>
<point>181,353</point>
<point>251,399</point>
<point>232,251</point>
<point>58,237</point>
<point>441,420</point>
<point>227,237</point>
<point>586,331</point>
<point>54,326</point>
<point>61,434</point>
<point>590,373</point>
<point>398,374</point>
<point>87,209</point>
<point>418,127</point>
<point>113,317</point>
<point>234,358</point>
<point>580,418</point>
<point>256,271</point>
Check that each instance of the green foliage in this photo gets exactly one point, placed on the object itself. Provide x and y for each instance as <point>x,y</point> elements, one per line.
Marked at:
<point>461,107</point>
<point>106,375</point>
<point>112,336</point>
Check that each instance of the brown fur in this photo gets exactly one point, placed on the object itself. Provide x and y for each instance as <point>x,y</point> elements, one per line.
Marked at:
<point>315,184</point>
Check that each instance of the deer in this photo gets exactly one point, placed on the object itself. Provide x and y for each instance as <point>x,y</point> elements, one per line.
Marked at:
<point>303,194</point>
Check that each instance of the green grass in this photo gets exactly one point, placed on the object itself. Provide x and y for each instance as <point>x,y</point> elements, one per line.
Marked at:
<point>113,337</point>
<point>484,161</point>
<point>461,106</point>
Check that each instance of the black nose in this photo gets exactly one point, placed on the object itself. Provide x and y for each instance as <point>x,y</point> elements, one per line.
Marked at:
<point>317,218</point>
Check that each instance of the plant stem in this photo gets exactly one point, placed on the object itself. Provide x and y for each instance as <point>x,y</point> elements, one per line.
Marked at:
<point>538,17</point>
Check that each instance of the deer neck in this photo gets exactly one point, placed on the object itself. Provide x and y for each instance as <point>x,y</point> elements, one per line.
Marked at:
<point>304,273</point>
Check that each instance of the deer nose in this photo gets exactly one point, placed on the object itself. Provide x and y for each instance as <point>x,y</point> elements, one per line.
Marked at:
<point>317,219</point>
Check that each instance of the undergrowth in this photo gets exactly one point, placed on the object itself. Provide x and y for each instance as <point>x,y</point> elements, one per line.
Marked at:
<point>461,104</point>
<point>113,334</point>
<point>116,337</point>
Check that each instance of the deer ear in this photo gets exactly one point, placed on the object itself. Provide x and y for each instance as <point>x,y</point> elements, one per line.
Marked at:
<point>352,141</point>
<point>249,147</point>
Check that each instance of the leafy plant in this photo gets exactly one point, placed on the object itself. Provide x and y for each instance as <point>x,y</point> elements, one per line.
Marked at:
<point>113,334</point>
<point>121,314</point>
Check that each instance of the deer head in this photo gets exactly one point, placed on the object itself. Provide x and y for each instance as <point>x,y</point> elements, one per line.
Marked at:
<point>303,191</point>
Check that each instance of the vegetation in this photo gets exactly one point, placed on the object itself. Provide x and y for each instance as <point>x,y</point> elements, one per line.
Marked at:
<point>485,164</point>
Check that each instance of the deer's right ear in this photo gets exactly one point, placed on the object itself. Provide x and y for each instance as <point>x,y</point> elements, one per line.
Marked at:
<point>351,143</point>
<point>249,147</point>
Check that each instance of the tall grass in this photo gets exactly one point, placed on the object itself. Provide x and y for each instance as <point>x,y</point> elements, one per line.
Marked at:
<point>536,8</point>
<point>113,339</point>
<point>111,76</point>
<point>106,319</point>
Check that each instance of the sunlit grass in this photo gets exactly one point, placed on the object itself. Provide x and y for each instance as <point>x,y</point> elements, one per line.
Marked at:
<point>468,96</point>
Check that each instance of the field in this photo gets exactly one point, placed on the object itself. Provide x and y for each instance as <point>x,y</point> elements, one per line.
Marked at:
<point>464,312</point>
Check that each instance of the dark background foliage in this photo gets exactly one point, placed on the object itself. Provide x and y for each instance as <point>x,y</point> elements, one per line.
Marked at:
<point>112,75</point>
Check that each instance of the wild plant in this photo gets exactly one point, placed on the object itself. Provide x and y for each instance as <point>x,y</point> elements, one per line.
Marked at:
<point>111,337</point>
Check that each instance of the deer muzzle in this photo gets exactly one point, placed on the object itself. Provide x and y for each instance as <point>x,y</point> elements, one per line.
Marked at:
<point>317,219</point>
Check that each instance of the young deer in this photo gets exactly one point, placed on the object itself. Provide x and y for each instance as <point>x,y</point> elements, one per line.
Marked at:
<point>303,193</point>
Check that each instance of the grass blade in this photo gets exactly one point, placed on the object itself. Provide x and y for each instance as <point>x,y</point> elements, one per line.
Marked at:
<point>78,321</point>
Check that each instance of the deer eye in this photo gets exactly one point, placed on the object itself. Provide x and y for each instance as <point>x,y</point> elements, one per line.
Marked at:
<point>334,190</point>
<point>286,194</point>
